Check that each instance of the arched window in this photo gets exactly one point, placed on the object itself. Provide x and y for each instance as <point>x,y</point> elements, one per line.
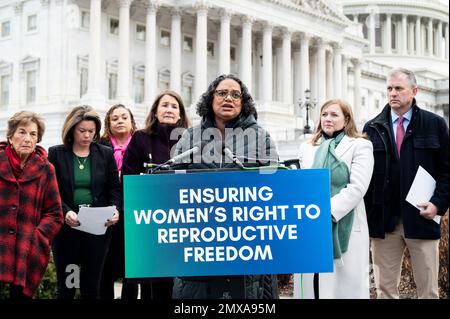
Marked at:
<point>139,82</point>
<point>83,72</point>
<point>164,79</point>
<point>187,90</point>
<point>111,72</point>
<point>5,82</point>
<point>30,72</point>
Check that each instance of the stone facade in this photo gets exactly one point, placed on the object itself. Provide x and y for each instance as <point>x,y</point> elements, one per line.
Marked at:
<point>56,54</point>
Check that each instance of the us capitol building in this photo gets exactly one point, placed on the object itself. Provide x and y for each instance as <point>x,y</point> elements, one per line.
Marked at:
<point>292,54</point>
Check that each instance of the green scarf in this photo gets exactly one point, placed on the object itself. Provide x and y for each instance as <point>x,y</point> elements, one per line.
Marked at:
<point>326,157</point>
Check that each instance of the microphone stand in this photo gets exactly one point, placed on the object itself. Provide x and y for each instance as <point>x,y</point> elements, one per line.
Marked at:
<point>152,168</point>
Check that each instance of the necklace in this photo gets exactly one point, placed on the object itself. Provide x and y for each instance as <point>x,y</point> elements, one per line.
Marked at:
<point>81,166</point>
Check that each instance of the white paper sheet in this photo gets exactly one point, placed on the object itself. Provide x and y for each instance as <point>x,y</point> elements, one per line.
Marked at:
<point>93,219</point>
<point>422,189</point>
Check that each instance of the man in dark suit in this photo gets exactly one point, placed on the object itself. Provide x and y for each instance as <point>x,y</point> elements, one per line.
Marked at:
<point>405,137</point>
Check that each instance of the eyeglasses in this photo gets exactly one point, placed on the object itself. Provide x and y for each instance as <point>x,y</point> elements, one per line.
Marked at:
<point>222,94</point>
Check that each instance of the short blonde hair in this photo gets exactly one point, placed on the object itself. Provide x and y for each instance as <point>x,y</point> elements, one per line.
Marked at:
<point>350,128</point>
<point>77,115</point>
<point>23,118</point>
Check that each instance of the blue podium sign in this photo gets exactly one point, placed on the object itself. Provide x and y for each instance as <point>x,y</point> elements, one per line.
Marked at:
<point>227,223</point>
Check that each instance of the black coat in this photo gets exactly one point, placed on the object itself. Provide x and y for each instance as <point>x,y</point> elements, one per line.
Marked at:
<point>105,185</point>
<point>425,144</point>
<point>250,141</point>
<point>246,139</point>
<point>159,145</point>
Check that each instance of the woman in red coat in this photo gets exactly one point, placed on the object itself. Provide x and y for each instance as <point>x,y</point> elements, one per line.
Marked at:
<point>30,206</point>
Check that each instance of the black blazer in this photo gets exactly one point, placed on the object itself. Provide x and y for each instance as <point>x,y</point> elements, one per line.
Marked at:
<point>426,144</point>
<point>105,184</point>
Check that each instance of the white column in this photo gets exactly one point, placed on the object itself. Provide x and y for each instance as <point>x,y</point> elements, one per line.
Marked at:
<point>314,82</point>
<point>304,65</point>
<point>175,51</point>
<point>297,79</point>
<point>355,18</point>
<point>371,36</point>
<point>201,57</point>
<point>446,41</point>
<point>430,37</point>
<point>267,63</point>
<point>259,66</point>
<point>344,78</point>
<point>313,73</point>
<point>337,70</point>
<point>123,76</point>
<point>424,34</point>
<point>404,35</point>
<point>370,106</point>
<point>150,53</point>
<point>44,23</point>
<point>59,85</point>
<point>224,42</point>
<point>277,70</point>
<point>435,42</point>
<point>329,74</point>
<point>95,42</point>
<point>246,52</point>
<point>15,100</point>
<point>321,72</point>
<point>411,38</point>
<point>439,40</point>
<point>387,49</point>
<point>418,37</point>
<point>357,90</point>
<point>287,65</point>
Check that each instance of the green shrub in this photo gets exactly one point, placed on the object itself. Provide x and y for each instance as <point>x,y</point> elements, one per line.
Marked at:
<point>4,291</point>
<point>47,288</point>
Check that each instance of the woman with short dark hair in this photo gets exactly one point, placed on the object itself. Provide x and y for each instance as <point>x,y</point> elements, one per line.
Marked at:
<point>30,206</point>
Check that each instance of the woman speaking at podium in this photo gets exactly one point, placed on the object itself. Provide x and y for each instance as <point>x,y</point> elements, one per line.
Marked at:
<point>229,137</point>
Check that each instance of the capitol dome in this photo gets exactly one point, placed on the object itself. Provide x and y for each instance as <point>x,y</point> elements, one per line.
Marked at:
<point>416,39</point>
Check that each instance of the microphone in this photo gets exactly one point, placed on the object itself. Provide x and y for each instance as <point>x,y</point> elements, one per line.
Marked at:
<point>228,153</point>
<point>149,164</point>
<point>293,163</point>
<point>183,155</point>
<point>258,160</point>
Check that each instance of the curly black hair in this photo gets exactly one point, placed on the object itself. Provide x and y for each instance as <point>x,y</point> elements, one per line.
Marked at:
<point>204,105</point>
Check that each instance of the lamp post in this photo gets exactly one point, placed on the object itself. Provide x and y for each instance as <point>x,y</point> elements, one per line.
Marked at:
<point>308,104</point>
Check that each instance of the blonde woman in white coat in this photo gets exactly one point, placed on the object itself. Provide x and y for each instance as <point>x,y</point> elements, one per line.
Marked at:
<point>344,149</point>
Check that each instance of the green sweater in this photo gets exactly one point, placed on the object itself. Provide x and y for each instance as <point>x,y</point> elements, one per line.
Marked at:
<point>82,194</point>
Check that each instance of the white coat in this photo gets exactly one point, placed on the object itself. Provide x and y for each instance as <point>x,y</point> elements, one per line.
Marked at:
<point>350,278</point>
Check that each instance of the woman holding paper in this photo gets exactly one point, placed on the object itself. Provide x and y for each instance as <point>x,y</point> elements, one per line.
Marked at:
<point>87,176</point>
<point>337,146</point>
<point>152,145</point>
<point>30,208</point>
